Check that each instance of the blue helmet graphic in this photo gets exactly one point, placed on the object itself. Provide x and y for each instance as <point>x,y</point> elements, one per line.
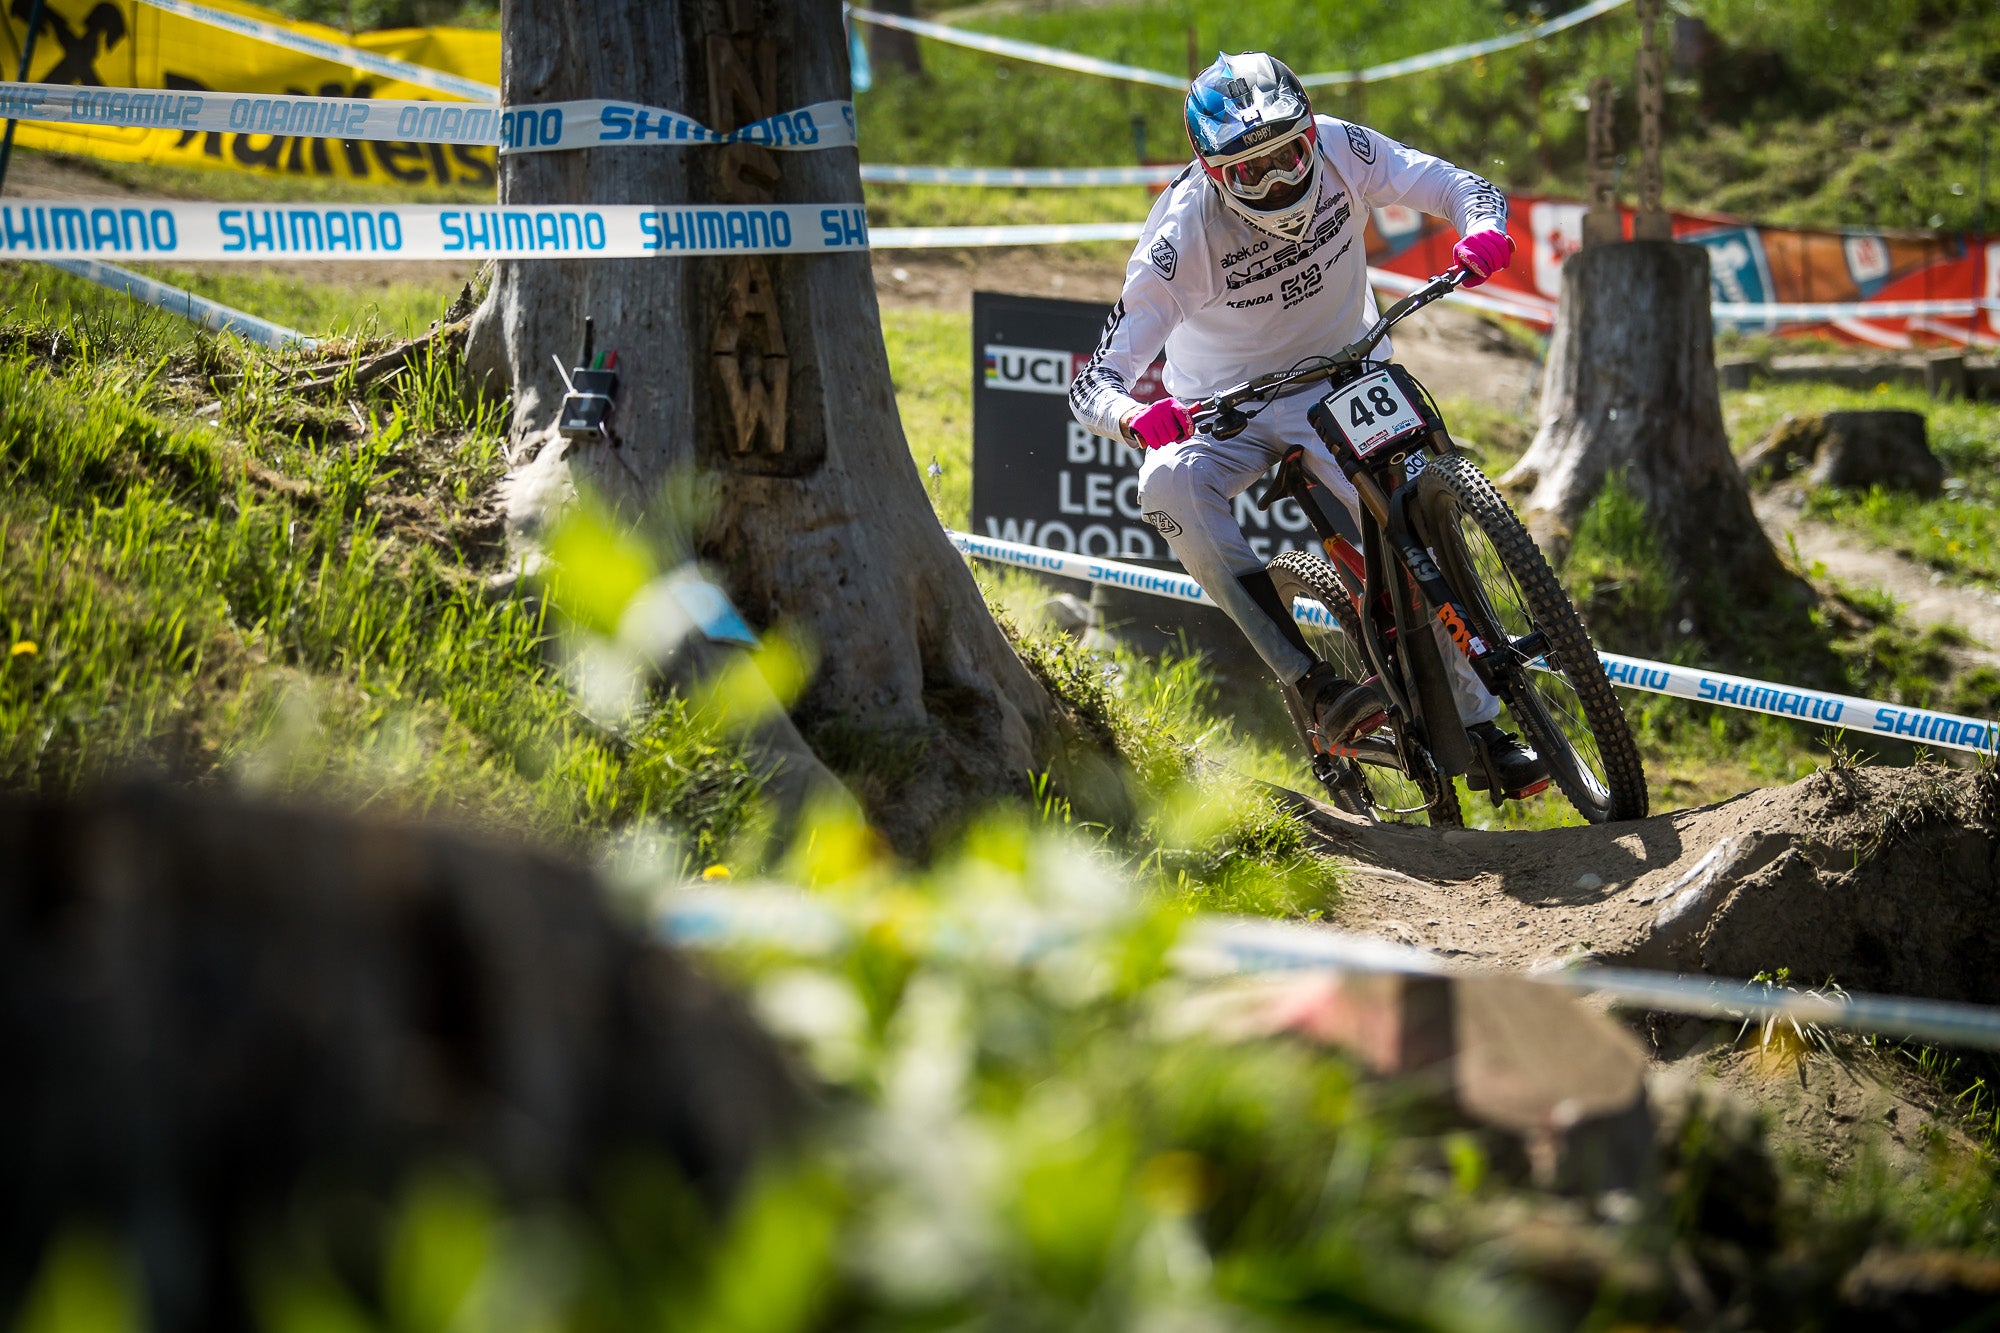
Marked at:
<point>1251,124</point>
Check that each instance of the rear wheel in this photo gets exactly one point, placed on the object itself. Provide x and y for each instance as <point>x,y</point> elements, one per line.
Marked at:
<point>1372,790</point>
<point>1554,683</point>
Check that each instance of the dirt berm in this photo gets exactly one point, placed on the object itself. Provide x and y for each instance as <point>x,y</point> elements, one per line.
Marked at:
<point>1882,879</point>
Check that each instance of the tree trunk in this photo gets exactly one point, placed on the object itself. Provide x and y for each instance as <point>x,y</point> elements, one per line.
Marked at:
<point>1630,387</point>
<point>893,46</point>
<point>761,384</point>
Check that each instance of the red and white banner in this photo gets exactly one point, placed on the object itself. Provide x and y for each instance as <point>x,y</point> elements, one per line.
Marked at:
<point>1887,289</point>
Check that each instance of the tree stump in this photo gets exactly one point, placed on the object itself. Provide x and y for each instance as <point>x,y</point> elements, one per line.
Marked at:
<point>760,384</point>
<point>1792,444</point>
<point>1887,449</point>
<point>1630,387</point>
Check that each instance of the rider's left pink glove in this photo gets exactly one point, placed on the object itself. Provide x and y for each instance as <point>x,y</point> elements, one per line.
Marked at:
<point>1483,254</point>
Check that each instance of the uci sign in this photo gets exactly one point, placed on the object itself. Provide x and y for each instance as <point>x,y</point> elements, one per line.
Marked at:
<point>1029,369</point>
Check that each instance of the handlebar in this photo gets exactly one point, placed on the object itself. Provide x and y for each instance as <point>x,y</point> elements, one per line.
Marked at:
<point>1208,410</point>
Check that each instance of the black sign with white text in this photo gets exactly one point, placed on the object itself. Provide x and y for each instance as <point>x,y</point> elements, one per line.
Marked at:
<point>1040,478</point>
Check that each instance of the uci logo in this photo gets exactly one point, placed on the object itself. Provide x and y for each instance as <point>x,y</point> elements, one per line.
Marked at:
<point>1028,369</point>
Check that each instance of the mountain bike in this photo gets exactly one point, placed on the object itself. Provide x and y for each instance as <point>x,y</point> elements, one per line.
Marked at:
<point>1438,544</point>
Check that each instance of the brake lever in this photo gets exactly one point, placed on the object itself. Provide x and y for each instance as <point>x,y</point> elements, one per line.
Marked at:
<point>1227,424</point>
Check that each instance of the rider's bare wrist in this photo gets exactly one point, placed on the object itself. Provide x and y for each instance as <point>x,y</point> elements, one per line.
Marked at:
<point>1125,420</point>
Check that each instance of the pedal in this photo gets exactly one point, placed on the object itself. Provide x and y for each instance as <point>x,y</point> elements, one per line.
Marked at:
<point>1480,777</point>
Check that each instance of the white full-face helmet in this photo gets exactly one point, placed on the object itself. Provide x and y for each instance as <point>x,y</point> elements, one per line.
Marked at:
<point>1251,125</point>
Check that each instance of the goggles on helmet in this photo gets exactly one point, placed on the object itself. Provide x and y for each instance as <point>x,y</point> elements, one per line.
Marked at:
<point>1256,175</point>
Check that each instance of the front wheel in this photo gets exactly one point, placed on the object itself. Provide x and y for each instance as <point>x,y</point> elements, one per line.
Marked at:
<point>1553,683</point>
<point>1333,630</point>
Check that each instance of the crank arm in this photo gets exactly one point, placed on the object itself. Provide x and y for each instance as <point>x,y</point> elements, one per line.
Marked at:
<point>1367,750</point>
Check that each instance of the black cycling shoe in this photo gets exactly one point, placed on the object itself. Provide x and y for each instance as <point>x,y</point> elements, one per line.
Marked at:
<point>1517,767</point>
<point>1338,708</point>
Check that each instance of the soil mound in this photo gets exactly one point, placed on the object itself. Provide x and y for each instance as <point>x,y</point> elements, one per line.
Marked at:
<point>1882,879</point>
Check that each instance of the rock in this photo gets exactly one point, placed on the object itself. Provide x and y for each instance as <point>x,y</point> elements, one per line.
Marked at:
<point>1566,1083</point>
<point>1069,613</point>
<point>1792,444</point>
<point>1888,449</point>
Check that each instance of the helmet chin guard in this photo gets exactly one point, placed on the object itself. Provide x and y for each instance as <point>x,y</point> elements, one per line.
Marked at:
<point>1251,125</point>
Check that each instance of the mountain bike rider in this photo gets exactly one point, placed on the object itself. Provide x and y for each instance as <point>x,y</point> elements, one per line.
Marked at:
<point>1250,264</point>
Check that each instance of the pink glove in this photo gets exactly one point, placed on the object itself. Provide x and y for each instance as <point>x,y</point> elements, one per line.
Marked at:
<point>1483,254</point>
<point>1162,423</point>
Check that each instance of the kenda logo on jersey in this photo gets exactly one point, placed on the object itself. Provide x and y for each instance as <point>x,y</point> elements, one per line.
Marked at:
<point>1030,369</point>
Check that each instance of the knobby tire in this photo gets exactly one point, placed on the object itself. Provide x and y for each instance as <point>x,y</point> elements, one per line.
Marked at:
<point>1359,789</point>
<point>1568,731</point>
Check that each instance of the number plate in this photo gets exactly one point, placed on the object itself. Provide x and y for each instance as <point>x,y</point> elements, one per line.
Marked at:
<point>1373,411</point>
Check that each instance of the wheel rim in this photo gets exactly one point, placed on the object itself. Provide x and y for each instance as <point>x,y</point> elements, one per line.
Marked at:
<point>1506,607</point>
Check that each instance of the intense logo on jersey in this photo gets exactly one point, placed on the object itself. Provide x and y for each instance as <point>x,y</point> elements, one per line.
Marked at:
<point>1292,255</point>
<point>1165,258</point>
<point>1363,146</point>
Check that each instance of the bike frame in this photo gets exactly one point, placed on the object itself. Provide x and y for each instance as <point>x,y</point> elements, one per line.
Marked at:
<point>1397,588</point>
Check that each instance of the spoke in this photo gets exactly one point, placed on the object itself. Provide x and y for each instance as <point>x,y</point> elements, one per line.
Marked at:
<point>1507,604</point>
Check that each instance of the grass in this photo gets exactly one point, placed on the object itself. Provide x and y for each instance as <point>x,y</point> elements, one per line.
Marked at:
<point>205,573</point>
<point>362,309</point>
<point>294,597</point>
<point>1957,533</point>
<point>930,362</point>
<point>1956,537</point>
<point>982,206</point>
<point>1849,113</point>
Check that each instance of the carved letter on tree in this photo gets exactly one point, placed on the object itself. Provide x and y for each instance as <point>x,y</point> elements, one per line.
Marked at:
<point>750,357</point>
<point>749,341</point>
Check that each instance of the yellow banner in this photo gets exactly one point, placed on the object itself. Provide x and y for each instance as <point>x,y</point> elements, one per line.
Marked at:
<point>125,44</point>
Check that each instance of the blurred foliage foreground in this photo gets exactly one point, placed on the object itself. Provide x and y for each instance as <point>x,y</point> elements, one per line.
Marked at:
<point>1016,1137</point>
<point>209,572</point>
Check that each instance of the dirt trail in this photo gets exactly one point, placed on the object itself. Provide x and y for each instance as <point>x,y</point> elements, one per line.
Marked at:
<point>1926,598</point>
<point>1880,877</point>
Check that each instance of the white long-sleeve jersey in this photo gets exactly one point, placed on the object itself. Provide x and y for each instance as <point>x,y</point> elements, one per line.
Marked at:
<point>1229,302</point>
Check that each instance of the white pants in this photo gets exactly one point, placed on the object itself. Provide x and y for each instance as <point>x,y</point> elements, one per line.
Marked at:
<point>1187,488</point>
